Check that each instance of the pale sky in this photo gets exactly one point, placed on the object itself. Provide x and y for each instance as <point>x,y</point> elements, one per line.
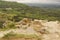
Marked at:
<point>36,1</point>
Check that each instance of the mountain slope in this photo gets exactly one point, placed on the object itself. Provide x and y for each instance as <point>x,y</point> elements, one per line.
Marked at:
<point>16,11</point>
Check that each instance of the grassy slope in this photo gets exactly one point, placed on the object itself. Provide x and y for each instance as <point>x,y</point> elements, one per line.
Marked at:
<point>11,12</point>
<point>22,11</point>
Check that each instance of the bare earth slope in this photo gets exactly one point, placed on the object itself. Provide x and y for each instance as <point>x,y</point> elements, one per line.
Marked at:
<point>42,28</point>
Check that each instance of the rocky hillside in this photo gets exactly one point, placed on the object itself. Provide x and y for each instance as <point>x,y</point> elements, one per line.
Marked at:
<point>43,29</point>
<point>22,22</point>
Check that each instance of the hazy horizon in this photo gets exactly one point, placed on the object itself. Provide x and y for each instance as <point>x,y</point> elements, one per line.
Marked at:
<point>37,1</point>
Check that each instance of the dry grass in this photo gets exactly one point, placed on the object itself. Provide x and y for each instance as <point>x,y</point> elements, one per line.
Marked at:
<point>11,36</point>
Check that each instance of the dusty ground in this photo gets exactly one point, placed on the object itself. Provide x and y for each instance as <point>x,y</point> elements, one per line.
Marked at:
<point>51,31</point>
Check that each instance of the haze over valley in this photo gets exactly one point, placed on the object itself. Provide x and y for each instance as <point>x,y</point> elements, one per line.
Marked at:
<point>40,3</point>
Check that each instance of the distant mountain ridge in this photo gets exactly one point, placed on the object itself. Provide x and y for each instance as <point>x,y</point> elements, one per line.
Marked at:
<point>44,5</point>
